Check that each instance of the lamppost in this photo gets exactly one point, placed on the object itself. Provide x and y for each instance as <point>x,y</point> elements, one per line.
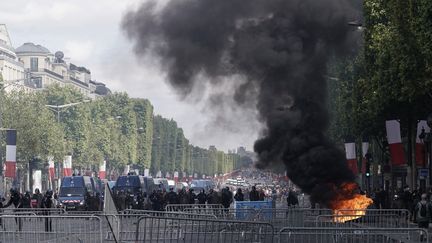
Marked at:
<point>58,108</point>
<point>426,138</point>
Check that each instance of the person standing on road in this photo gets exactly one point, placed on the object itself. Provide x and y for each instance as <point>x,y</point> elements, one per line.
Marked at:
<point>172,197</point>
<point>48,203</point>
<point>422,214</point>
<point>227,197</point>
<point>202,197</point>
<point>239,195</point>
<point>26,201</point>
<point>36,199</point>
<point>292,199</point>
<point>254,194</point>
<point>191,196</point>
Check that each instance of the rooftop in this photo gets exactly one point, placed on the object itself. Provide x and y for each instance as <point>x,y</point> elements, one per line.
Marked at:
<point>30,47</point>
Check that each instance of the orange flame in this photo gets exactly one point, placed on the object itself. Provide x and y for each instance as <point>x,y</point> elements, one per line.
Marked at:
<point>349,204</point>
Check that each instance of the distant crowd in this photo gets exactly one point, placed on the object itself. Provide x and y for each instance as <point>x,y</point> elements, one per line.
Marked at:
<point>159,199</point>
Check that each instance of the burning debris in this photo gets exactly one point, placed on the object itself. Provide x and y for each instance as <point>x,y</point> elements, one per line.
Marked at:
<point>280,49</point>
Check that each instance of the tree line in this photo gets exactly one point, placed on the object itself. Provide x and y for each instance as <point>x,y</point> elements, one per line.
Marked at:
<point>116,128</point>
<point>388,78</point>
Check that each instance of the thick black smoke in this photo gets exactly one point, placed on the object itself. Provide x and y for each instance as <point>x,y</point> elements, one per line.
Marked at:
<point>280,48</point>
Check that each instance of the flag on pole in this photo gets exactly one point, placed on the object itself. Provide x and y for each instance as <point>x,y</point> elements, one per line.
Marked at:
<point>67,165</point>
<point>420,147</point>
<point>350,151</point>
<point>51,170</point>
<point>10,163</point>
<point>176,176</point>
<point>395,143</point>
<point>102,170</point>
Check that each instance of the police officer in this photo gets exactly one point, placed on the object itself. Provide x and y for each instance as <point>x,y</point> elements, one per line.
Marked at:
<point>172,197</point>
<point>36,199</point>
<point>191,196</point>
<point>47,202</point>
<point>26,200</point>
<point>16,200</point>
<point>202,197</point>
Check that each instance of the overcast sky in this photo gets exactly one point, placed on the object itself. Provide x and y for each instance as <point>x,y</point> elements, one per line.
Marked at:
<point>89,33</point>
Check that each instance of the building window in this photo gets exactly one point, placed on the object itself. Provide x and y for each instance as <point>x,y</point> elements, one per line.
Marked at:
<point>33,64</point>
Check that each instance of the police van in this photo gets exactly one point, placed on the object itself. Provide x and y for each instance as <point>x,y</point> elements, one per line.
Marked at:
<point>79,193</point>
<point>131,191</point>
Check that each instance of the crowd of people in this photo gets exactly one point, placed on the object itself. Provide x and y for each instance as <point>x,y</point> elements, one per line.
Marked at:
<point>28,200</point>
<point>157,200</point>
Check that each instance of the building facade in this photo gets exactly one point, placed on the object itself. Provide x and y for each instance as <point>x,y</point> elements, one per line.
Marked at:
<point>33,67</point>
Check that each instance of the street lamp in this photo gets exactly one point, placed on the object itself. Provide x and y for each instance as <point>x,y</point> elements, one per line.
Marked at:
<point>58,108</point>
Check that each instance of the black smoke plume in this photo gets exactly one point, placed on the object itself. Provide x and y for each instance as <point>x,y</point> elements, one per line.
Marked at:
<point>280,50</point>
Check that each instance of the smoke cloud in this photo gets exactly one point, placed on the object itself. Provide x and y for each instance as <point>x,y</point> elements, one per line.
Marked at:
<point>277,50</point>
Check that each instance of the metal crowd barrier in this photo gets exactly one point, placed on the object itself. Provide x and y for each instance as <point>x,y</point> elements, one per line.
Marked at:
<point>128,219</point>
<point>39,211</point>
<point>301,217</point>
<point>375,221</point>
<point>157,229</point>
<point>50,229</point>
<point>182,207</point>
<point>352,235</point>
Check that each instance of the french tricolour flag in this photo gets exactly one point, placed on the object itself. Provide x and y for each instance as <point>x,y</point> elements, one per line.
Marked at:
<point>102,170</point>
<point>10,163</point>
<point>51,170</point>
<point>350,151</point>
<point>67,165</point>
<point>420,148</point>
<point>395,142</point>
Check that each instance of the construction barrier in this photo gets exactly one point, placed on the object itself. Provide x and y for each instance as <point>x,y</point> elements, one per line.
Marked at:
<point>157,229</point>
<point>50,229</point>
<point>351,235</point>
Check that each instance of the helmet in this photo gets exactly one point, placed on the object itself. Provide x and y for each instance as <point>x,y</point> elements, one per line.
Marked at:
<point>49,193</point>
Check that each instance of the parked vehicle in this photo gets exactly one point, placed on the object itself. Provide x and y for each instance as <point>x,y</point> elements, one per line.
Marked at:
<point>79,193</point>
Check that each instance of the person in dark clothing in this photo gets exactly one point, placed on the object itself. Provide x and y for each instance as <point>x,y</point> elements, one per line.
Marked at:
<point>202,197</point>
<point>26,200</point>
<point>162,199</point>
<point>36,199</point>
<point>212,197</point>
<point>292,199</point>
<point>261,195</point>
<point>422,214</point>
<point>129,199</point>
<point>47,202</point>
<point>191,196</point>
<point>254,194</point>
<point>239,195</point>
<point>2,199</point>
<point>227,197</point>
<point>183,197</point>
<point>172,197</point>
<point>15,199</point>
<point>154,200</point>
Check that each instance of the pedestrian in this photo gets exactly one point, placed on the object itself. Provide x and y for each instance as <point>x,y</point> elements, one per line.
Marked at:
<point>191,196</point>
<point>36,199</point>
<point>254,194</point>
<point>261,195</point>
<point>227,197</point>
<point>212,197</point>
<point>423,214</point>
<point>2,199</point>
<point>154,200</point>
<point>292,199</point>
<point>202,197</point>
<point>172,197</point>
<point>26,201</point>
<point>48,203</point>
<point>239,195</point>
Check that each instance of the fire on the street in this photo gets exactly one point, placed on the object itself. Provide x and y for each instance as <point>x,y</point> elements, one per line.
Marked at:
<point>349,204</point>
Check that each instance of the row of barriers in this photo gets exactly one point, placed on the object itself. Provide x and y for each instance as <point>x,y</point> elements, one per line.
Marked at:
<point>208,225</point>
